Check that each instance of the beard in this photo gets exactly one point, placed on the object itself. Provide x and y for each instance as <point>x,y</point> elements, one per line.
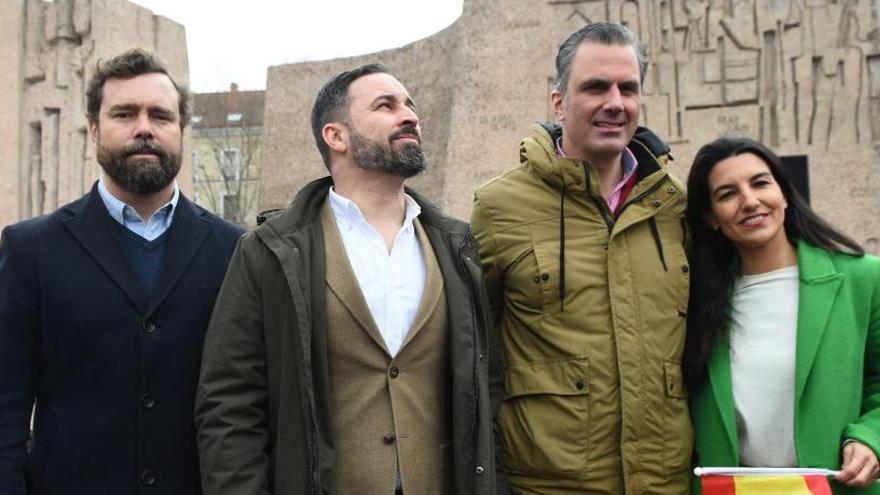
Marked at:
<point>139,176</point>
<point>405,162</point>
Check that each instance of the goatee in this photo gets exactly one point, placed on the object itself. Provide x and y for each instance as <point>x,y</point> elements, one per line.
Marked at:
<point>405,162</point>
<point>142,176</point>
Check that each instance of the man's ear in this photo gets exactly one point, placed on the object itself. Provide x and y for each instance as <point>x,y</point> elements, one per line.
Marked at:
<point>557,100</point>
<point>93,132</point>
<point>336,137</point>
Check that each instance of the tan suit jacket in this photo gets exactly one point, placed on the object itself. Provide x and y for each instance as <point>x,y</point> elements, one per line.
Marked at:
<point>387,411</point>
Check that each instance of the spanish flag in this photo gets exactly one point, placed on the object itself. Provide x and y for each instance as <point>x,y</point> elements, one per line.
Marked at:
<point>745,481</point>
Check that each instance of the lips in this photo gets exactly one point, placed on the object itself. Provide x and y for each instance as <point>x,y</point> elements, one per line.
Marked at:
<point>754,220</point>
<point>406,132</point>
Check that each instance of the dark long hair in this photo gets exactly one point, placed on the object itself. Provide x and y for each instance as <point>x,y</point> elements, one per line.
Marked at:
<point>714,259</point>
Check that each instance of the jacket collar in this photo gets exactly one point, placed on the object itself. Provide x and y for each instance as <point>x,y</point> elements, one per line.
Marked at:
<point>819,287</point>
<point>306,210</point>
<point>539,151</point>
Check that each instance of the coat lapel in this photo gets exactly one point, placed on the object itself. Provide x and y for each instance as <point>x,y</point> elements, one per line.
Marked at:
<point>91,225</point>
<point>819,285</point>
<point>185,237</point>
<point>342,281</point>
<point>433,285</point>
<point>722,388</point>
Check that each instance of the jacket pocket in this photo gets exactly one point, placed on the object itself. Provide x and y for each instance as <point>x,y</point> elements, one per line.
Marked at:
<point>544,417</point>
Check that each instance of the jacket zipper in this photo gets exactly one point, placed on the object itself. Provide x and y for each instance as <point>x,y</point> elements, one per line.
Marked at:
<point>311,445</point>
<point>474,324</point>
<point>600,202</point>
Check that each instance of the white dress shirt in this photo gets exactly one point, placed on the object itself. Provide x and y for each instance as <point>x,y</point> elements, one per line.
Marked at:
<point>392,282</point>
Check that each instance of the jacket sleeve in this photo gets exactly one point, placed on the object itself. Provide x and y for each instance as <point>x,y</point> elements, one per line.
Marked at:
<point>483,230</point>
<point>231,412</point>
<point>19,357</point>
<point>492,294</point>
<point>866,429</point>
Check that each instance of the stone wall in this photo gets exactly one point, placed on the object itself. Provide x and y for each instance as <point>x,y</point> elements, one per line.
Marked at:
<point>52,48</point>
<point>803,76</point>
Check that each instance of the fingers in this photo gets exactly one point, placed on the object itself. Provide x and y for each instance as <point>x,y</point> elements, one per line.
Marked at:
<point>860,466</point>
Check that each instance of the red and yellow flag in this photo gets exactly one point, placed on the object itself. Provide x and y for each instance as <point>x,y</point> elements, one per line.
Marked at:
<point>744,484</point>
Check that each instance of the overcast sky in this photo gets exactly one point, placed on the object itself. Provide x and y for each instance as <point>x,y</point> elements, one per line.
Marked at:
<point>235,41</point>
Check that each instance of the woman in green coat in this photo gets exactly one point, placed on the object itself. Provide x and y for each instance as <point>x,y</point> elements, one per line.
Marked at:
<point>783,347</point>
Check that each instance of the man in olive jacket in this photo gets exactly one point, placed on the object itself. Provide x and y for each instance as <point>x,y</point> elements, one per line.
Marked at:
<point>348,351</point>
<point>583,250</point>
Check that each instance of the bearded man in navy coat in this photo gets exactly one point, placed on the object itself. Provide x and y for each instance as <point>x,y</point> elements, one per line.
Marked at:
<point>104,305</point>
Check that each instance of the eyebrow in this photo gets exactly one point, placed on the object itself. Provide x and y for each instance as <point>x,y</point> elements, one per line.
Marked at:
<point>731,186</point>
<point>632,84</point>
<point>390,97</point>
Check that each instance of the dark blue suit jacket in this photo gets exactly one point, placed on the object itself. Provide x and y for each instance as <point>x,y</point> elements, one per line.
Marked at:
<point>112,373</point>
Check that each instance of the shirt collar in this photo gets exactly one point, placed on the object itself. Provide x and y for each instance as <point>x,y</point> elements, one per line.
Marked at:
<point>348,211</point>
<point>126,214</point>
<point>630,163</point>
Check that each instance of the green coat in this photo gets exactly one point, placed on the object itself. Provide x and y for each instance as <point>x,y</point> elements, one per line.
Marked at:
<point>837,375</point>
<point>594,396</point>
<point>263,406</point>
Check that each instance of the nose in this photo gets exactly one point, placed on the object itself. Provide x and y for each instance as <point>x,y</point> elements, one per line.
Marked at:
<point>614,100</point>
<point>143,127</point>
<point>750,199</point>
<point>409,117</point>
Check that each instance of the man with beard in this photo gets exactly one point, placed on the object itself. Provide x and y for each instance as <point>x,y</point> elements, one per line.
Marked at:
<point>104,305</point>
<point>348,351</point>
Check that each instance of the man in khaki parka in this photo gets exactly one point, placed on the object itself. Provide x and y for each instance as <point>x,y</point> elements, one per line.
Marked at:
<point>583,252</point>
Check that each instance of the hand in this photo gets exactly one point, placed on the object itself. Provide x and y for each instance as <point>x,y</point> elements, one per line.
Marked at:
<point>860,466</point>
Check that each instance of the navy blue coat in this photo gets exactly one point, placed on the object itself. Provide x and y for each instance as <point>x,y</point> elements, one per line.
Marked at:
<point>112,373</point>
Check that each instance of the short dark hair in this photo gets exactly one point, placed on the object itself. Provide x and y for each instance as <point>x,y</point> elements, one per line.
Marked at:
<point>713,258</point>
<point>127,65</point>
<point>331,104</point>
<point>603,33</point>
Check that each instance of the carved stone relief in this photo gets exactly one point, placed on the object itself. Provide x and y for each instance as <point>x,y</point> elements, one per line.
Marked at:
<point>811,66</point>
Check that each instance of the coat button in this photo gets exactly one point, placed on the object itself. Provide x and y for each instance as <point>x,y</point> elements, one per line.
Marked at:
<point>394,372</point>
<point>545,277</point>
<point>605,246</point>
<point>388,439</point>
<point>149,326</point>
<point>579,385</point>
<point>685,269</point>
<point>147,401</point>
<point>655,203</point>
<point>537,279</point>
<point>480,470</point>
<point>148,478</point>
<point>671,190</point>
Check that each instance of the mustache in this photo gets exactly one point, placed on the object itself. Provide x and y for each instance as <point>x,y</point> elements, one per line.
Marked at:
<point>144,146</point>
<point>408,130</point>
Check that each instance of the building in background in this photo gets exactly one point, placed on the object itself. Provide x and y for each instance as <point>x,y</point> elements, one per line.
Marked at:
<point>226,133</point>
<point>801,76</point>
<point>49,51</point>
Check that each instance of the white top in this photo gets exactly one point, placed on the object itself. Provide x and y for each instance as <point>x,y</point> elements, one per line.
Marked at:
<point>392,282</point>
<point>763,341</point>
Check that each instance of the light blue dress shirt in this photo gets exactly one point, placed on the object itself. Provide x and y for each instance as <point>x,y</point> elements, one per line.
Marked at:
<point>126,215</point>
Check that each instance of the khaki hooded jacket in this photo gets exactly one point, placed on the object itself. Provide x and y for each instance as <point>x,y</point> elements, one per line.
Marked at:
<point>590,308</point>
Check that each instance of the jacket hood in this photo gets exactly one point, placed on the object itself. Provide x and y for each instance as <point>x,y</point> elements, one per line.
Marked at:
<point>539,150</point>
